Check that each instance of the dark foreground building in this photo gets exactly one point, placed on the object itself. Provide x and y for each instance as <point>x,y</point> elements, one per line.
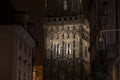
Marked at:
<point>17,46</point>
<point>105,39</point>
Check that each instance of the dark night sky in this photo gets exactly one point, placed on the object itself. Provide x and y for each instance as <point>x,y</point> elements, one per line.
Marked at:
<point>36,11</point>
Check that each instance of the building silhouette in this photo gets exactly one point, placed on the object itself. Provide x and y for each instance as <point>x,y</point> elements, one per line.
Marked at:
<point>104,21</point>
<point>17,45</point>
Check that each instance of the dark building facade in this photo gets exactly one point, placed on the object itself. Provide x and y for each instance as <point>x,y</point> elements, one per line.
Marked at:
<point>105,39</point>
<point>17,45</point>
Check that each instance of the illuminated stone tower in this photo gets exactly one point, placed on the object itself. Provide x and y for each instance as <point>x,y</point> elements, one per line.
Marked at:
<point>67,39</point>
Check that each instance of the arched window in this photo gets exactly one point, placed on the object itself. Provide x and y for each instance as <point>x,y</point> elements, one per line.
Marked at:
<point>65,5</point>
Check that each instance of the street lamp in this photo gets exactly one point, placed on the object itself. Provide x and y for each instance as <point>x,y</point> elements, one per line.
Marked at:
<point>103,31</point>
<point>108,56</point>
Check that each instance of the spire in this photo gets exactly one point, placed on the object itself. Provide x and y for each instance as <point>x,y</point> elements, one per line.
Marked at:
<point>69,7</point>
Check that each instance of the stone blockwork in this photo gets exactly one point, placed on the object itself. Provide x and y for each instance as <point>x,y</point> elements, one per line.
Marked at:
<point>67,40</point>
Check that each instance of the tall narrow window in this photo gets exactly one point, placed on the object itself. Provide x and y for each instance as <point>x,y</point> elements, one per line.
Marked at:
<point>57,49</point>
<point>66,48</point>
<point>65,5</point>
<point>70,48</point>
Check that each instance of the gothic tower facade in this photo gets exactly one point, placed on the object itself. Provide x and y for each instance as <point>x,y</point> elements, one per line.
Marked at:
<point>67,39</point>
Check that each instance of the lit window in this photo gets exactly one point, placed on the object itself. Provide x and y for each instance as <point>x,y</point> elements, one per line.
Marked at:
<point>68,48</point>
<point>65,4</point>
<point>57,49</point>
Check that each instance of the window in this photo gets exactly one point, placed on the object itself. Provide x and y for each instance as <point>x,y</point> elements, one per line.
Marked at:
<point>68,48</point>
<point>57,49</point>
<point>65,5</point>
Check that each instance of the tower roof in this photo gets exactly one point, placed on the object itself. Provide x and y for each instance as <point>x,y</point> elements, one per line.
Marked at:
<point>68,7</point>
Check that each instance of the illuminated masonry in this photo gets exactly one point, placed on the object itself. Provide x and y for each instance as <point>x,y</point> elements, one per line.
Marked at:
<point>67,40</point>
